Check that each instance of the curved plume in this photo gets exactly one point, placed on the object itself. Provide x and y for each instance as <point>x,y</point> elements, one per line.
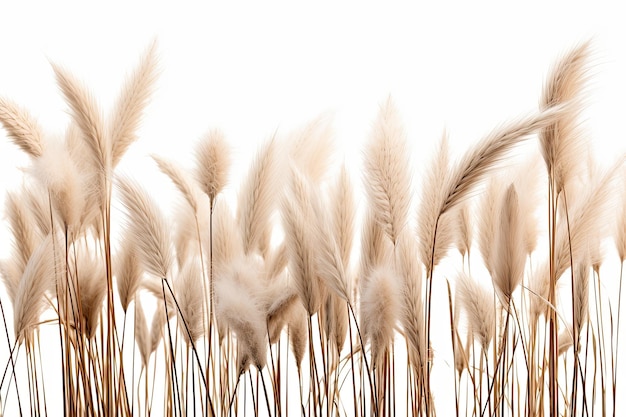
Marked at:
<point>256,201</point>
<point>131,103</point>
<point>212,163</point>
<point>22,128</point>
<point>148,229</point>
<point>561,140</point>
<point>510,254</point>
<point>29,301</point>
<point>387,176</point>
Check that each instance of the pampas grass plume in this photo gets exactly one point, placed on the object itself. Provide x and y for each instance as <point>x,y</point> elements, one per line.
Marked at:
<point>212,163</point>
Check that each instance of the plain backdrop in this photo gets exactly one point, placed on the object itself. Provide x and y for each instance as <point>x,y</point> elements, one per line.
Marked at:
<point>256,68</point>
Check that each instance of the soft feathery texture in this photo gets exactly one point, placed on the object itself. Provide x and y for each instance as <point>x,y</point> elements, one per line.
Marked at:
<point>91,290</point>
<point>277,261</point>
<point>487,218</point>
<point>300,241</point>
<point>88,117</point>
<point>29,301</point>
<point>344,212</point>
<point>181,180</point>
<point>538,292</point>
<point>189,293</point>
<point>486,155</point>
<point>528,179</point>
<point>212,163</point>
<point>311,148</point>
<point>37,200</point>
<point>91,177</point>
<point>509,250</point>
<point>478,304</point>
<point>279,312</point>
<point>330,264</point>
<point>148,229</point>
<point>587,217</point>
<point>191,231</point>
<point>21,128</point>
<point>128,272</point>
<point>257,197</point>
<point>298,335</point>
<point>142,333</point>
<point>561,141</point>
<point>464,229</point>
<point>411,300</point>
<point>236,306</point>
<point>581,296</point>
<point>387,176</point>
<point>376,247</point>
<point>159,319</point>
<point>131,103</point>
<point>10,274</point>
<point>227,242</point>
<point>57,171</point>
<point>380,311</point>
<point>432,227</point>
<point>25,237</point>
<point>334,321</point>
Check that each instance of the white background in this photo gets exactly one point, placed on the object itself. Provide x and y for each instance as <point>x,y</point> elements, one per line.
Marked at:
<point>254,69</point>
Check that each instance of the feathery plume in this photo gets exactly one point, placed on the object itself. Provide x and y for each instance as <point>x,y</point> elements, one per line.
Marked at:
<point>91,291</point>
<point>58,172</point>
<point>411,301</point>
<point>375,245</point>
<point>586,218</point>
<point>313,257</point>
<point>488,217</point>
<point>181,180</point>
<point>22,128</point>
<point>158,322</point>
<point>489,151</point>
<point>130,104</point>
<point>29,301</point>
<point>11,274</point>
<point>142,333</point>
<point>477,302</point>
<point>212,163</point>
<point>387,172</point>
<point>344,212</point>
<point>561,140</point>
<point>379,311</point>
<point>128,272</point>
<point>236,306</point>
<point>509,248</point>
<point>299,240</point>
<point>311,148</point>
<point>37,201</point>
<point>148,228</point>
<point>429,216</point>
<point>20,225</point>
<point>189,294</point>
<point>581,296</point>
<point>298,335</point>
<point>257,197</point>
<point>227,242</point>
<point>464,229</point>
<point>87,116</point>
